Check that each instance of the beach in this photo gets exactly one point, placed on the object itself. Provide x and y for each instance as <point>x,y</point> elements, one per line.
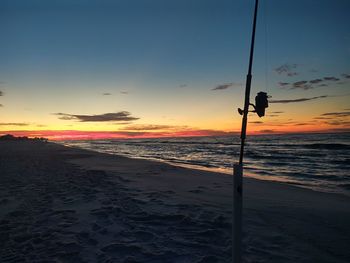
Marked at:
<point>64,204</point>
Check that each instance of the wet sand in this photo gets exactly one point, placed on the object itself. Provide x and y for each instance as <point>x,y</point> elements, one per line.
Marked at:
<point>60,204</point>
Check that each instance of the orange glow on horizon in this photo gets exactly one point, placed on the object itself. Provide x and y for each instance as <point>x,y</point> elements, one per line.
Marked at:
<point>100,135</point>
<point>60,135</point>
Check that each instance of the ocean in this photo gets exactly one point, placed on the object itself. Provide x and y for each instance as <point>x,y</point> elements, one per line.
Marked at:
<point>317,161</point>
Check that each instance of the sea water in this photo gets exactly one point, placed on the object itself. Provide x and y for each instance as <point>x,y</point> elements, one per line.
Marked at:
<point>317,161</point>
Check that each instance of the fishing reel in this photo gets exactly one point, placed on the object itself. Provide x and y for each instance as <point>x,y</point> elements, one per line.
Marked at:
<point>261,103</point>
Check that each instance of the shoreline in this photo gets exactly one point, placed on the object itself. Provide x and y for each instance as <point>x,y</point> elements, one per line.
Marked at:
<point>224,171</point>
<point>198,170</point>
<point>75,205</point>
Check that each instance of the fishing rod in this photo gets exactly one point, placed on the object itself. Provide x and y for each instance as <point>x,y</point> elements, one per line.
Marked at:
<point>261,103</point>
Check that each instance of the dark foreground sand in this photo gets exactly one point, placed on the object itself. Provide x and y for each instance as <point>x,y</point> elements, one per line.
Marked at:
<point>59,204</point>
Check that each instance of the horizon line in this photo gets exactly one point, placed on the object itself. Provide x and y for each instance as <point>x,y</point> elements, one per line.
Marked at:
<point>65,135</point>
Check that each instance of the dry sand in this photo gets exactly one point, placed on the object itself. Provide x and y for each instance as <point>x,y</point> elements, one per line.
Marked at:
<point>59,204</point>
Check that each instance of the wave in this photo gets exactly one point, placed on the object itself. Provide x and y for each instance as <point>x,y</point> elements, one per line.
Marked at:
<point>328,146</point>
<point>345,186</point>
<point>342,163</point>
<point>321,159</point>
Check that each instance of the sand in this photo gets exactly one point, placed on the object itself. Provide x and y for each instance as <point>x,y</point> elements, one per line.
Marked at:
<point>60,204</point>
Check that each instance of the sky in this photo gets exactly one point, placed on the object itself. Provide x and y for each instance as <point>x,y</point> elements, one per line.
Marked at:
<point>150,68</point>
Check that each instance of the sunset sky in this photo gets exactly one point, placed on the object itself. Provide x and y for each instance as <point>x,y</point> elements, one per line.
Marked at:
<point>126,68</point>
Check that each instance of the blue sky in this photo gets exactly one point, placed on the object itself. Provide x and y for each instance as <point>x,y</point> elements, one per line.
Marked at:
<point>59,56</point>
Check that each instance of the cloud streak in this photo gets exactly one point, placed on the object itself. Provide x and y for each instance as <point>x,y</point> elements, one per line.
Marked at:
<point>287,69</point>
<point>283,84</point>
<point>339,118</point>
<point>267,131</point>
<point>338,122</point>
<point>314,83</point>
<point>298,100</point>
<point>337,114</point>
<point>106,117</point>
<point>226,86</point>
<point>331,78</point>
<point>303,84</point>
<point>13,124</point>
<point>149,127</point>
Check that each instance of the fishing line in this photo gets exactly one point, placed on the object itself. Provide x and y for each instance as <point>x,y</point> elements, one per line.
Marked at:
<point>266,49</point>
